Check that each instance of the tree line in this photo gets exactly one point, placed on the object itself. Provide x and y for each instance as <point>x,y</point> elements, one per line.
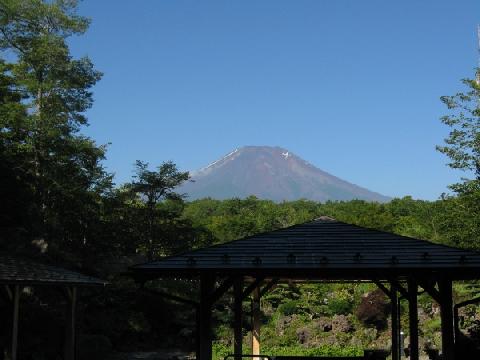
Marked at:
<point>58,202</point>
<point>58,199</point>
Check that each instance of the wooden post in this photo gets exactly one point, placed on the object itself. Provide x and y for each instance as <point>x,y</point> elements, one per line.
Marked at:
<point>413,318</point>
<point>256,323</point>
<point>401,343</point>
<point>238,317</point>
<point>446,313</point>
<point>16,306</point>
<point>395,324</point>
<point>197,332</point>
<point>207,283</point>
<point>70,326</point>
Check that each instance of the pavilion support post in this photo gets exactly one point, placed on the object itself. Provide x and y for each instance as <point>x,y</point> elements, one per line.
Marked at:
<point>256,322</point>
<point>207,282</point>
<point>395,324</point>
<point>395,328</point>
<point>197,332</point>
<point>401,344</point>
<point>71,326</point>
<point>238,317</point>
<point>413,318</point>
<point>446,314</point>
<point>16,307</point>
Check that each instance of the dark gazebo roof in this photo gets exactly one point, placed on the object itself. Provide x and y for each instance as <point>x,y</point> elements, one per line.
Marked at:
<point>21,271</point>
<point>321,249</point>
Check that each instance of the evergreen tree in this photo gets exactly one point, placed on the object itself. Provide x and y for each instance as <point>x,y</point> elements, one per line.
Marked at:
<point>153,188</point>
<point>62,167</point>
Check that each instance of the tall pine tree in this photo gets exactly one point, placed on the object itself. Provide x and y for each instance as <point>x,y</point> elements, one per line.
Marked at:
<point>49,94</point>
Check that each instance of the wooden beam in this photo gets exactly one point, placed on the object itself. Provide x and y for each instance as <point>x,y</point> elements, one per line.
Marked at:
<point>70,328</point>
<point>207,284</point>
<point>256,283</point>
<point>446,314</point>
<point>413,318</point>
<point>238,317</point>
<point>401,343</point>
<point>16,307</point>
<point>395,324</point>
<point>431,290</point>
<point>405,293</point>
<point>468,302</point>
<point>272,283</point>
<point>198,330</point>
<point>256,323</point>
<point>382,287</point>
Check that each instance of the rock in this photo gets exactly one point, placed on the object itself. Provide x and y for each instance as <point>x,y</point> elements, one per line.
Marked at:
<point>370,333</point>
<point>303,335</point>
<point>324,324</point>
<point>341,323</point>
<point>282,323</point>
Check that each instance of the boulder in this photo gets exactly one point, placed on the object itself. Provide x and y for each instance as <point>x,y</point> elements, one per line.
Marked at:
<point>341,323</point>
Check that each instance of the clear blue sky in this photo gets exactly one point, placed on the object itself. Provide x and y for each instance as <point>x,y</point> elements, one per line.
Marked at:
<point>352,86</point>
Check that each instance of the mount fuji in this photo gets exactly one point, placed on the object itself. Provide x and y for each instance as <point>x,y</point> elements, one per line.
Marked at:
<point>271,173</point>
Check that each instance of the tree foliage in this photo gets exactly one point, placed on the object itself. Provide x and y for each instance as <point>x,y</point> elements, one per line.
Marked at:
<point>57,200</point>
<point>462,146</point>
<point>49,92</point>
<point>153,188</point>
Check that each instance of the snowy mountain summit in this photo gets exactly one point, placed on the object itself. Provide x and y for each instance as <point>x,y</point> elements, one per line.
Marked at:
<point>270,173</point>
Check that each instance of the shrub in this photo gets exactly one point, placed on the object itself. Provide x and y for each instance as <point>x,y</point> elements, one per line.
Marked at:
<point>288,308</point>
<point>220,351</point>
<point>373,310</point>
<point>339,307</point>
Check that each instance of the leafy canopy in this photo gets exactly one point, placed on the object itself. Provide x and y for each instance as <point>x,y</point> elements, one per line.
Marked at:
<point>47,92</point>
<point>462,145</point>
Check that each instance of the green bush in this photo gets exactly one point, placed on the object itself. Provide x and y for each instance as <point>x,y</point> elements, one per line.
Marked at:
<point>373,310</point>
<point>432,325</point>
<point>220,351</point>
<point>288,308</point>
<point>339,307</point>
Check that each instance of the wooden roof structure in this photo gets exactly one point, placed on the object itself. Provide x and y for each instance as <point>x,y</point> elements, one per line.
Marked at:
<point>26,272</point>
<point>17,273</point>
<point>326,250</point>
<point>321,249</point>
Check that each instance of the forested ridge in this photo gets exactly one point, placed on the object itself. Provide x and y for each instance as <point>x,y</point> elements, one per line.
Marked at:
<point>59,205</point>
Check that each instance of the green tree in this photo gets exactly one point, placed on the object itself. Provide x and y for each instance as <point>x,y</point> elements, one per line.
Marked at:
<point>15,192</point>
<point>61,167</point>
<point>153,189</point>
<point>462,145</point>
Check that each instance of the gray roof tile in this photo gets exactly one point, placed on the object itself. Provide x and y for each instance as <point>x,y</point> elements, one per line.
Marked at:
<point>323,246</point>
<point>14,270</point>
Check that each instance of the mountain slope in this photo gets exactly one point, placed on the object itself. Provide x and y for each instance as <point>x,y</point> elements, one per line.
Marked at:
<point>270,173</point>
